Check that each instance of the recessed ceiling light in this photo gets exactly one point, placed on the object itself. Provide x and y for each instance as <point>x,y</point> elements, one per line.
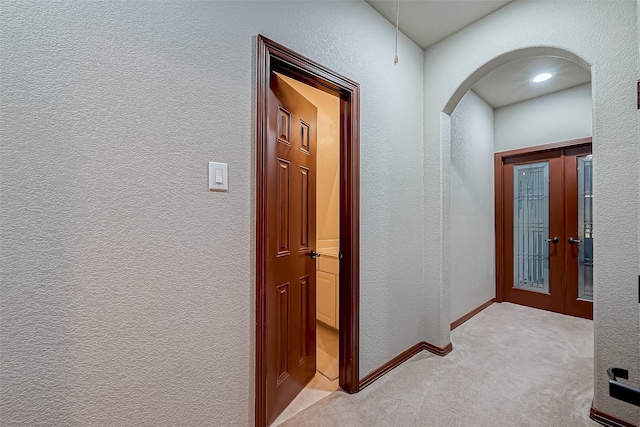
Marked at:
<point>542,77</point>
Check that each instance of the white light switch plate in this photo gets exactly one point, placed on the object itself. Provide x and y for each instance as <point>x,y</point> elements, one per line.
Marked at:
<point>218,177</point>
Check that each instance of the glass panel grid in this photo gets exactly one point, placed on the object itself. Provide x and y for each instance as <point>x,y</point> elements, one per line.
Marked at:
<point>531,227</point>
<point>585,228</point>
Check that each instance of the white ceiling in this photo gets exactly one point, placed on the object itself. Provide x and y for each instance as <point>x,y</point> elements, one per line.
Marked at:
<point>426,22</point>
<point>511,83</point>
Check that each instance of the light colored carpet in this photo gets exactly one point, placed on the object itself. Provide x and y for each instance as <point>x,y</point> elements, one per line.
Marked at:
<point>510,366</point>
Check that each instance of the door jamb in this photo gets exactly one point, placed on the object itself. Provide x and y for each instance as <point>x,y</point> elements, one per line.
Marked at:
<point>498,162</point>
<point>272,57</point>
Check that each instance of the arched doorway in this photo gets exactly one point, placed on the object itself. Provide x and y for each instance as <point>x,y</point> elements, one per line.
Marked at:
<point>504,110</point>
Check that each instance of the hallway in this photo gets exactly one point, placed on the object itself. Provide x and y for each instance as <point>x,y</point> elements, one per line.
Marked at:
<point>129,276</point>
<point>510,366</point>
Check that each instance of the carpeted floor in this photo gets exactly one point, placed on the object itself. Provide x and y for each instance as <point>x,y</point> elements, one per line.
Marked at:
<point>510,366</point>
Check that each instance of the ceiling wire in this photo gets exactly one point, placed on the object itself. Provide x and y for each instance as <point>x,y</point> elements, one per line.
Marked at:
<point>395,58</point>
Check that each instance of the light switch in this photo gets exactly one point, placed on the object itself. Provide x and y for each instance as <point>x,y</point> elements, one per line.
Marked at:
<point>218,177</point>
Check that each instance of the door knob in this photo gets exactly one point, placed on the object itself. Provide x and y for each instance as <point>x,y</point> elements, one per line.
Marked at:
<point>572,240</point>
<point>554,240</point>
<point>314,254</point>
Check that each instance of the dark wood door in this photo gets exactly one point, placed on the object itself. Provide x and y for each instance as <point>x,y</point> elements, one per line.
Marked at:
<point>534,222</point>
<point>291,221</point>
<point>547,230</point>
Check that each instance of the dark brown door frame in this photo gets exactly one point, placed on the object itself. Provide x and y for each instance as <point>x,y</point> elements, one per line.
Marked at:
<point>499,159</point>
<point>273,57</point>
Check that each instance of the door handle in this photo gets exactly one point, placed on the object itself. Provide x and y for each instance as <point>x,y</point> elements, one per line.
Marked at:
<point>554,240</point>
<point>572,240</point>
<point>313,254</point>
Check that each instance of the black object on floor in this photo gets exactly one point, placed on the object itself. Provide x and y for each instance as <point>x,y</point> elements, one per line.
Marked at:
<point>622,391</point>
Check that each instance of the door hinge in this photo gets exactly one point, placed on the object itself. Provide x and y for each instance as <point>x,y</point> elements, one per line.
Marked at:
<point>638,94</point>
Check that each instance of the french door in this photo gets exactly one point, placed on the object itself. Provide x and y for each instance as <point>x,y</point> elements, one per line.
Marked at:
<point>545,229</point>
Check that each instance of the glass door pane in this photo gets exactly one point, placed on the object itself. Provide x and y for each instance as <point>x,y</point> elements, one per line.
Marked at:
<point>585,228</point>
<point>531,226</point>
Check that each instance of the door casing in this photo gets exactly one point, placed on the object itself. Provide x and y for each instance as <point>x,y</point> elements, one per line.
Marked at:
<point>499,159</point>
<point>273,57</point>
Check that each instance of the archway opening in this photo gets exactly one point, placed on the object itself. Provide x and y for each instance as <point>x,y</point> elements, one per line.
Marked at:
<point>497,108</point>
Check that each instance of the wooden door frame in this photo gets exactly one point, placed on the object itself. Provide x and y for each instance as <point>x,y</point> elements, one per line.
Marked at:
<point>273,57</point>
<point>498,162</point>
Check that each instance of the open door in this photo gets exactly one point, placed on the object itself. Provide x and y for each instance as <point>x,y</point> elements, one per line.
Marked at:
<point>285,270</point>
<point>290,161</point>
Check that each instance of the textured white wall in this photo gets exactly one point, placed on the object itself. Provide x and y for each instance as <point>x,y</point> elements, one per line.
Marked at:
<point>638,115</point>
<point>472,250</point>
<point>127,288</point>
<point>560,116</point>
<point>611,47</point>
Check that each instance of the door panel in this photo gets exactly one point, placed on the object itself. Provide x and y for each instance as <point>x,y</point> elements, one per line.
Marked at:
<point>291,218</point>
<point>579,226</point>
<point>533,264</point>
<point>547,230</point>
<point>531,226</point>
<point>585,228</point>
